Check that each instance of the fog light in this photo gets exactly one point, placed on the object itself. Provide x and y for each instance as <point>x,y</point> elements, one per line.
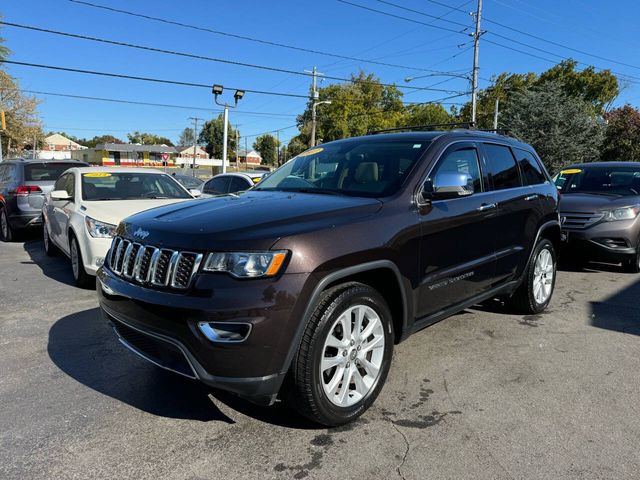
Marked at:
<point>225,332</point>
<point>99,261</point>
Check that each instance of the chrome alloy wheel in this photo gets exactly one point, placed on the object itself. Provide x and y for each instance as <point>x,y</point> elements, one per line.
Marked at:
<point>75,261</point>
<point>352,355</point>
<point>543,276</point>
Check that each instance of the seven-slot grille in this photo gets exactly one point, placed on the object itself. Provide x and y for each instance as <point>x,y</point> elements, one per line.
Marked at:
<point>151,265</point>
<point>579,220</point>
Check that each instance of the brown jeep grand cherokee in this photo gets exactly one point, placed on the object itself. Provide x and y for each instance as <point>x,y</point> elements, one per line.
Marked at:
<point>304,284</point>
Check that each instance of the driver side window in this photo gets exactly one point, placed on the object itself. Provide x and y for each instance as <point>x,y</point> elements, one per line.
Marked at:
<point>460,161</point>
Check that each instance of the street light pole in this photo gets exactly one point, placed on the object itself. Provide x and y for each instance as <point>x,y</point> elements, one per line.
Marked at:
<point>314,99</point>
<point>217,90</point>
<point>495,114</point>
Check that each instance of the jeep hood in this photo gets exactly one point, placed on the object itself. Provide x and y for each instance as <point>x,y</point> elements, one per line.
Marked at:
<point>589,203</point>
<point>252,220</point>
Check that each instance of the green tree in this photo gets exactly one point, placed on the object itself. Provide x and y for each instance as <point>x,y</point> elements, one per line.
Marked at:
<point>267,145</point>
<point>4,50</point>
<point>148,139</point>
<point>356,107</point>
<point>426,114</point>
<point>186,137</point>
<point>211,136</point>
<point>21,114</point>
<point>560,127</point>
<point>622,134</point>
<point>92,142</point>
<point>296,146</point>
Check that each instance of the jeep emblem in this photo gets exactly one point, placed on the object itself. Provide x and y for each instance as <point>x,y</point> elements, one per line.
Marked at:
<point>141,234</point>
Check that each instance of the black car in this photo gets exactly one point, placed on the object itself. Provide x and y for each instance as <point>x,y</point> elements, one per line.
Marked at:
<point>302,285</point>
<point>232,182</point>
<point>23,185</point>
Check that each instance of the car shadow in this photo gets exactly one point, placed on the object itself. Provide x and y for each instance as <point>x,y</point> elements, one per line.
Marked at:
<point>619,312</point>
<point>84,346</point>
<point>568,266</point>
<point>57,268</point>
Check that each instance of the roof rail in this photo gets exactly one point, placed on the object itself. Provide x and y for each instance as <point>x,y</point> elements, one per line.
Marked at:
<point>499,131</point>
<point>423,127</point>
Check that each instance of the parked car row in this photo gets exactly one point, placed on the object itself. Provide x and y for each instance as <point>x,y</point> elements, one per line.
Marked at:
<point>298,284</point>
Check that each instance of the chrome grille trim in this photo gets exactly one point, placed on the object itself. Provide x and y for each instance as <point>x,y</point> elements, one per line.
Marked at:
<point>164,267</point>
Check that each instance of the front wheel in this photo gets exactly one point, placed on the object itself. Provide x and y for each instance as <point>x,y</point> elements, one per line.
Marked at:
<point>534,293</point>
<point>345,355</point>
<point>632,265</point>
<point>82,279</point>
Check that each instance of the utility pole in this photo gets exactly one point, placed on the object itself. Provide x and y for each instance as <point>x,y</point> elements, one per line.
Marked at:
<point>474,78</point>
<point>35,145</point>
<point>237,149</point>
<point>225,138</point>
<point>495,114</point>
<point>246,153</point>
<point>314,102</point>
<point>195,140</point>
<point>278,147</point>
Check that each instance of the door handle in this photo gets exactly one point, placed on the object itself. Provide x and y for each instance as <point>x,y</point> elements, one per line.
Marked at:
<point>486,206</point>
<point>531,197</point>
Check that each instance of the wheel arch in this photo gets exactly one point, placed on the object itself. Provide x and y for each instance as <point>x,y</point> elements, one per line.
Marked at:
<point>374,274</point>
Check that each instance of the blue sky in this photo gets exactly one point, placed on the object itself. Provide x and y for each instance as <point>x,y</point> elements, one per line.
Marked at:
<point>331,26</point>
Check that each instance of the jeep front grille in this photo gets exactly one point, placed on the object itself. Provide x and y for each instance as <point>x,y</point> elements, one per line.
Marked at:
<point>146,264</point>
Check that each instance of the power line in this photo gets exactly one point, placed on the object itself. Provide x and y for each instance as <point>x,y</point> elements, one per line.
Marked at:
<point>423,13</point>
<point>145,79</point>
<point>245,37</point>
<point>542,39</point>
<point>135,102</point>
<point>191,55</point>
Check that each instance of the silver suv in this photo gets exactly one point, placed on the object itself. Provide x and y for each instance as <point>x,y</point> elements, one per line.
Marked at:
<point>23,185</point>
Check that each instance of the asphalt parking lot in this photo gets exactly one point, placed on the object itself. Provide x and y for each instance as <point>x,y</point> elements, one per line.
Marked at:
<point>485,395</point>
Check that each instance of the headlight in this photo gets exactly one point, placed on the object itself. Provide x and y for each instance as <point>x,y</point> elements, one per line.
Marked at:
<point>246,264</point>
<point>626,213</point>
<point>99,229</point>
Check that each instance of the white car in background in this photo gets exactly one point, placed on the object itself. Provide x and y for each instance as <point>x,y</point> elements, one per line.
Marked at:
<point>81,213</point>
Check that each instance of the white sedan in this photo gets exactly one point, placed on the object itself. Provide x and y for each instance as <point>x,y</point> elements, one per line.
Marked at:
<point>82,211</point>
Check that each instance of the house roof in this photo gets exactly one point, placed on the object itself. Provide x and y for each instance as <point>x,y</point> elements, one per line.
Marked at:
<point>57,139</point>
<point>134,147</point>
<point>251,153</point>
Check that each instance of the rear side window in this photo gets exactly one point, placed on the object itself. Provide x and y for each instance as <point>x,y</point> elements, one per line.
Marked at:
<point>45,172</point>
<point>531,171</point>
<point>502,167</point>
<point>238,184</point>
<point>217,185</point>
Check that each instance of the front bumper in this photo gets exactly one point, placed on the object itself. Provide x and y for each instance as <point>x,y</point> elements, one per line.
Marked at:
<point>94,251</point>
<point>162,327</point>
<point>605,241</point>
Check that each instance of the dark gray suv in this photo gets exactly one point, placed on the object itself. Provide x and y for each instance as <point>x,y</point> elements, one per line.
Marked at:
<point>599,208</point>
<point>23,185</point>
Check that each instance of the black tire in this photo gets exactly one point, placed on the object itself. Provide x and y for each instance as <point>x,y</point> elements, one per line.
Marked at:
<point>49,248</point>
<point>81,277</point>
<point>305,389</point>
<point>6,232</point>
<point>524,299</point>
<point>632,265</point>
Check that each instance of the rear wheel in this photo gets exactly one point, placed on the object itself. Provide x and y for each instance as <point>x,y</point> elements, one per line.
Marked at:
<point>49,248</point>
<point>344,357</point>
<point>534,294</point>
<point>6,232</point>
<point>83,280</point>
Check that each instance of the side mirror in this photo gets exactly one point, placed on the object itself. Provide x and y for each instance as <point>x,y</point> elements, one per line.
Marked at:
<point>60,195</point>
<point>448,185</point>
<point>195,192</point>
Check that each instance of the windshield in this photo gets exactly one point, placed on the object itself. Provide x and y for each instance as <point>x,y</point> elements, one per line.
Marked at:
<point>365,168</point>
<point>604,180</point>
<point>129,186</point>
<point>45,172</point>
